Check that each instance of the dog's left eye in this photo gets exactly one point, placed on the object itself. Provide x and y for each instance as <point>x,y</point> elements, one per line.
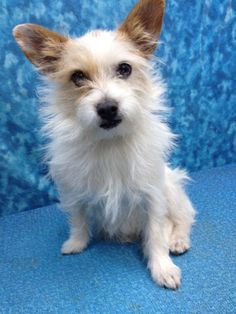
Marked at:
<point>78,77</point>
<point>124,70</point>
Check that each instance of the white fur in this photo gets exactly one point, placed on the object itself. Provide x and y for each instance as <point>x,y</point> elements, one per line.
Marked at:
<point>116,179</point>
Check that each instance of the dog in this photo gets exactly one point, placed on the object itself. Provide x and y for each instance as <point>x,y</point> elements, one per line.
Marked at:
<point>104,113</point>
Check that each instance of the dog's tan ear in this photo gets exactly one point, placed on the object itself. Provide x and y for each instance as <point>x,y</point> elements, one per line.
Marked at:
<point>40,45</point>
<point>143,25</point>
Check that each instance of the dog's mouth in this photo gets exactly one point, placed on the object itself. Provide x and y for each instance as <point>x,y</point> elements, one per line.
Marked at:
<point>110,124</point>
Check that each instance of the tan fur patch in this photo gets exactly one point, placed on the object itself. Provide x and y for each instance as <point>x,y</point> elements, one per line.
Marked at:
<point>91,69</point>
<point>143,24</point>
<point>40,45</point>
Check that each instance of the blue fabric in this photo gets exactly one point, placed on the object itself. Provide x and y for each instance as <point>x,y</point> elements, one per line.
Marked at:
<point>112,278</point>
<point>198,50</point>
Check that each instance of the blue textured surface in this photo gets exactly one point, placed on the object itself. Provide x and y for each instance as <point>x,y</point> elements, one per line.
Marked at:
<point>198,49</point>
<point>112,278</point>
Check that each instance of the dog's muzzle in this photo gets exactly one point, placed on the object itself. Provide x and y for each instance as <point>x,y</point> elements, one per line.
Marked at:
<point>108,111</point>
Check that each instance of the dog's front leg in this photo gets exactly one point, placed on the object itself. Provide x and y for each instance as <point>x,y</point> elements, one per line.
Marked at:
<point>79,235</point>
<point>162,269</point>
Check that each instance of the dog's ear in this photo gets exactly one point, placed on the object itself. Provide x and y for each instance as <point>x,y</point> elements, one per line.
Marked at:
<point>40,45</point>
<point>143,25</point>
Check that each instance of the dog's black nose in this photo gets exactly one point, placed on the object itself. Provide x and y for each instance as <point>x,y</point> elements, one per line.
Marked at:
<point>108,109</point>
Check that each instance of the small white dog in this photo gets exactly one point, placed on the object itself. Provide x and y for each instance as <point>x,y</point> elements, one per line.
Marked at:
<point>109,142</point>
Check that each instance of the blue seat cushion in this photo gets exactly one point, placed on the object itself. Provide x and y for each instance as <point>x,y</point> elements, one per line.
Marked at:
<point>112,278</point>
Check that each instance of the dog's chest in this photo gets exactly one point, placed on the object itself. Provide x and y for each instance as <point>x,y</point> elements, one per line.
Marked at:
<point>110,174</point>
<point>112,168</point>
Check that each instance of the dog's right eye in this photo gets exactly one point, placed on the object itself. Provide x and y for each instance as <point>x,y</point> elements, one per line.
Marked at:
<point>78,78</point>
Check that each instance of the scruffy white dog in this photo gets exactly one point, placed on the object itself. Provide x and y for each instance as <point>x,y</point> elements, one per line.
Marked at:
<point>109,142</point>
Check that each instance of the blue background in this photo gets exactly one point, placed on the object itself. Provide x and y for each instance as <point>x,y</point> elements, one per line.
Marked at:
<point>198,50</point>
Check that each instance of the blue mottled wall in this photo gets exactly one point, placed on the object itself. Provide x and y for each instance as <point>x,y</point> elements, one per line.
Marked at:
<point>198,49</point>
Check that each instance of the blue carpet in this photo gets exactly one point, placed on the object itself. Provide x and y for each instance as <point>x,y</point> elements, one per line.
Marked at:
<point>112,278</point>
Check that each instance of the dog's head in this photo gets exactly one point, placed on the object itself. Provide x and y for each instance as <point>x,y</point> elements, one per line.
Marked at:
<point>102,79</point>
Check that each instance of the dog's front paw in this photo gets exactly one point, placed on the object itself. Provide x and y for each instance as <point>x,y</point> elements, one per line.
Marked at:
<point>168,276</point>
<point>73,246</point>
<point>179,245</point>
